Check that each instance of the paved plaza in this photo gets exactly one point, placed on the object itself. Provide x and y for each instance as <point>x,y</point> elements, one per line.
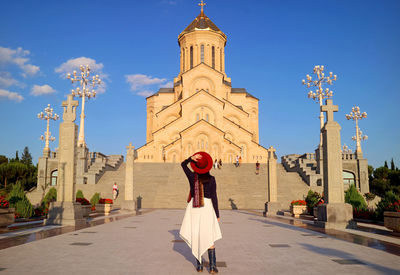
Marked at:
<point>149,244</point>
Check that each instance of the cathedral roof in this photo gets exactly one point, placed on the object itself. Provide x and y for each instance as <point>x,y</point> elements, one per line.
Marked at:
<point>202,22</point>
<point>242,91</point>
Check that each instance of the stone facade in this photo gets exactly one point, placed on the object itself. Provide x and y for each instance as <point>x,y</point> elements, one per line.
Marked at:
<point>202,112</point>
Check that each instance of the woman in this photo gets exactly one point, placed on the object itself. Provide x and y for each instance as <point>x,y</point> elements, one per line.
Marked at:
<point>200,228</point>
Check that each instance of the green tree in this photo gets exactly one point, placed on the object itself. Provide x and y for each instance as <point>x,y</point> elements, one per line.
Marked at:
<point>392,166</point>
<point>3,159</point>
<point>14,172</point>
<point>26,157</point>
<point>386,165</point>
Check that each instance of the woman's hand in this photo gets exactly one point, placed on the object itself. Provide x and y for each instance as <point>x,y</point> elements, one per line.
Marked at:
<point>196,157</point>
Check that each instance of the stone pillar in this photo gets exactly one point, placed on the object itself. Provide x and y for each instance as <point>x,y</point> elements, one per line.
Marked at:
<point>65,210</point>
<point>82,154</point>
<point>129,202</point>
<point>362,168</point>
<point>335,213</point>
<point>272,206</point>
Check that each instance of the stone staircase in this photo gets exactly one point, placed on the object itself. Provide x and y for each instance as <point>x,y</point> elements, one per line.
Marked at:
<point>100,165</point>
<point>164,185</point>
<point>291,186</point>
<point>305,165</point>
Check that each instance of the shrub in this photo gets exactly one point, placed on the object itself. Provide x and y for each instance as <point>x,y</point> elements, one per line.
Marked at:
<point>83,201</point>
<point>24,208</point>
<point>312,199</point>
<point>366,214</point>
<point>384,205</point>
<point>79,194</point>
<point>353,197</point>
<point>50,196</point>
<point>95,199</point>
<point>18,200</point>
<point>106,201</point>
<point>298,202</point>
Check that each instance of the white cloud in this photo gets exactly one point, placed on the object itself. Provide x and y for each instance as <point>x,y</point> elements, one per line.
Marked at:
<point>145,93</point>
<point>95,68</point>
<point>10,95</point>
<point>6,80</point>
<point>42,90</point>
<point>137,81</point>
<point>18,57</point>
<point>144,84</point>
<point>169,84</point>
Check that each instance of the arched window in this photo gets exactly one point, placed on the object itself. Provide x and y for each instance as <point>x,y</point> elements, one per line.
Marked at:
<point>202,144</point>
<point>198,145</point>
<point>197,117</point>
<point>202,53</point>
<point>348,177</point>
<point>207,117</point>
<point>191,57</point>
<point>54,176</point>
<point>173,158</point>
<point>213,56</point>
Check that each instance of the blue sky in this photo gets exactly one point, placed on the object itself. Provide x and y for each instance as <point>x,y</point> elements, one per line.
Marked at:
<point>133,46</point>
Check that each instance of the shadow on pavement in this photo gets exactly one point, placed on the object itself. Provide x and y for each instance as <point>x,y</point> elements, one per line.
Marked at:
<point>347,256</point>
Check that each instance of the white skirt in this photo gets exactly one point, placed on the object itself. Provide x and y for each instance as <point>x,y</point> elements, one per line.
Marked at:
<point>200,228</point>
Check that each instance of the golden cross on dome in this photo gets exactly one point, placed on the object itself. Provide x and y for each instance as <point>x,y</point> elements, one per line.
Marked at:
<point>202,4</point>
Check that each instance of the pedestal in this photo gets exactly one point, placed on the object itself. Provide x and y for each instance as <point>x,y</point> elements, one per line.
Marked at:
<point>65,213</point>
<point>272,208</point>
<point>335,216</point>
<point>129,205</point>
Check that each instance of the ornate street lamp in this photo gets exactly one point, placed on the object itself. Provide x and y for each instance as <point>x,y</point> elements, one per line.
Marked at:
<point>83,91</point>
<point>356,115</point>
<point>320,94</point>
<point>47,115</point>
<point>346,149</point>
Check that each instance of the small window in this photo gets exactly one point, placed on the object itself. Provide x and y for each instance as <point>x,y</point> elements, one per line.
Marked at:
<point>207,117</point>
<point>202,53</point>
<point>191,57</point>
<point>202,144</point>
<point>54,176</point>
<point>213,56</point>
<point>197,117</point>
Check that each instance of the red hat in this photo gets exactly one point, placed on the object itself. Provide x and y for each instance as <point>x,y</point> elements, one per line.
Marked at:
<point>203,165</point>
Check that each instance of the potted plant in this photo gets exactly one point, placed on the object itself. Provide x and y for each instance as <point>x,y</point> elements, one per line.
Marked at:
<point>392,216</point>
<point>298,207</point>
<point>104,206</point>
<point>7,215</point>
<point>86,206</point>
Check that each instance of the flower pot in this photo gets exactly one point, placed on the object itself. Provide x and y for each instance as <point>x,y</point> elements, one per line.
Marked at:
<point>86,209</point>
<point>6,216</point>
<point>315,212</point>
<point>392,220</point>
<point>104,208</point>
<point>297,210</point>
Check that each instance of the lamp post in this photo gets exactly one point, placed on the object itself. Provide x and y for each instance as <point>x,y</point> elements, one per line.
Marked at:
<point>320,94</point>
<point>83,91</point>
<point>356,115</point>
<point>346,149</point>
<point>47,115</point>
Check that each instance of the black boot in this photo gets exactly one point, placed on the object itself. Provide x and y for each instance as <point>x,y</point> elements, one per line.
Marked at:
<point>199,267</point>
<point>213,262</point>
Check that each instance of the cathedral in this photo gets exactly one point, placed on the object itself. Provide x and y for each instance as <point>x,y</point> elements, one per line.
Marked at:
<point>202,112</point>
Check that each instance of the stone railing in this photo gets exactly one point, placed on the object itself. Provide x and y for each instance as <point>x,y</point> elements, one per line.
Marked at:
<point>348,156</point>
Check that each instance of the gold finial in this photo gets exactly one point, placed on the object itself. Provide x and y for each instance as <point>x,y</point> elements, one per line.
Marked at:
<point>202,4</point>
